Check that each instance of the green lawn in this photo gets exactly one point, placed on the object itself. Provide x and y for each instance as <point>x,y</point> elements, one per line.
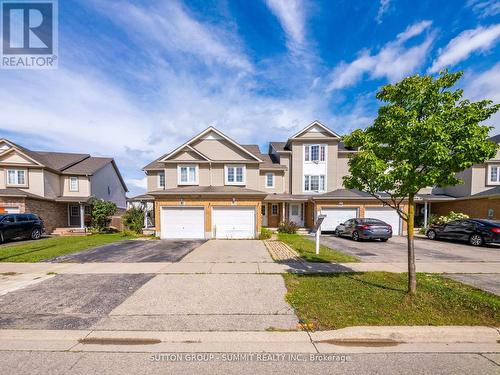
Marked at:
<point>307,250</point>
<point>37,251</point>
<point>379,298</point>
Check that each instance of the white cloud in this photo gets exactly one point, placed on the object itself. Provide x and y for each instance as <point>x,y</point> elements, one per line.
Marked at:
<point>485,8</point>
<point>393,61</point>
<point>485,85</point>
<point>383,8</point>
<point>292,18</point>
<point>141,183</point>
<point>467,42</point>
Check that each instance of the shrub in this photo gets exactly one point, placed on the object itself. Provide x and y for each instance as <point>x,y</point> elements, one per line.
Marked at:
<point>133,219</point>
<point>101,213</point>
<point>288,227</point>
<point>450,217</point>
<point>265,234</point>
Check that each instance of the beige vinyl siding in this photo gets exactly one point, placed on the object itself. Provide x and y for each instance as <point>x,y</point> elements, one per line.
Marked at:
<point>83,187</point>
<point>297,160</point>
<point>278,182</point>
<point>287,181</point>
<point>220,149</point>
<point>187,156</point>
<point>342,170</point>
<point>52,184</point>
<point>315,134</point>
<point>152,181</point>
<point>331,167</point>
<point>2,178</point>
<point>15,158</point>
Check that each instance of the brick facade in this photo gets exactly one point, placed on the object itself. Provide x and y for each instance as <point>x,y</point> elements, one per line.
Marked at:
<point>14,202</point>
<point>54,214</point>
<point>476,208</point>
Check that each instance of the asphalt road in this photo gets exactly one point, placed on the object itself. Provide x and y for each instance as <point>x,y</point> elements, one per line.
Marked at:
<point>74,363</point>
<point>395,250</point>
<point>134,252</point>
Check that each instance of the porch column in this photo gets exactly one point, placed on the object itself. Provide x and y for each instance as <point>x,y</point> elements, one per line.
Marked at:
<point>283,212</point>
<point>145,209</point>
<point>425,214</point>
<point>82,216</point>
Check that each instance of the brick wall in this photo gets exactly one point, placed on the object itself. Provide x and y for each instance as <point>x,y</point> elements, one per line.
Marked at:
<point>477,208</point>
<point>54,214</point>
<point>6,202</point>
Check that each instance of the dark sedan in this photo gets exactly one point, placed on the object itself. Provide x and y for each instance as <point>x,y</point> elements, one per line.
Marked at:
<point>366,229</point>
<point>20,226</point>
<point>474,231</point>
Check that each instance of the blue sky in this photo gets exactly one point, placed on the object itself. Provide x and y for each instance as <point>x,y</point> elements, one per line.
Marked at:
<point>136,79</point>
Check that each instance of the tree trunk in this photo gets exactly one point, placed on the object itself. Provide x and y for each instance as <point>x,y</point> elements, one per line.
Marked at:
<point>412,276</point>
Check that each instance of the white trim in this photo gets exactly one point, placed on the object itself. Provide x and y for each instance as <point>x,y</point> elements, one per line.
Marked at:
<point>161,233</point>
<point>77,188</point>
<point>16,170</point>
<point>207,130</point>
<point>254,219</point>
<point>319,183</point>
<point>488,177</point>
<point>243,166</point>
<point>15,148</point>
<point>315,123</point>
<point>197,174</point>
<point>159,179</point>
<point>274,178</point>
<point>319,161</point>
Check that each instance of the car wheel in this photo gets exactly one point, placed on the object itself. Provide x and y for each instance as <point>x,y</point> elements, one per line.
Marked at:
<point>476,240</point>
<point>337,233</point>
<point>355,236</point>
<point>431,235</point>
<point>36,234</point>
<point>384,239</point>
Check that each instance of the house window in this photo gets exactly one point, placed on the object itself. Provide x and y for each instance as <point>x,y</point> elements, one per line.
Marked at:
<point>16,177</point>
<point>494,174</point>
<point>269,180</point>
<point>314,183</point>
<point>274,209</point>
<point>235,174</point>
<point>314,153</point>
<point>74,211</point>
<point>73,184</point>
<point>161,179</point>
<point>88,210</point>
<point>188,175</point>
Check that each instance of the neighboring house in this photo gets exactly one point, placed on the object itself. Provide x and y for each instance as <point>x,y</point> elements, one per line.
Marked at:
<point>57,186</point>
<point>478,195</point>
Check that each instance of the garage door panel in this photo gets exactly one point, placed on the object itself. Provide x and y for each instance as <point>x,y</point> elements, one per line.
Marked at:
<point>185,222</point>
<point>336,216</point>
<point>386,214</point>
<point>233,222</point>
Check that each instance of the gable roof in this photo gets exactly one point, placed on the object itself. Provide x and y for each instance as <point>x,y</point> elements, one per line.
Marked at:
<point>268,162</point>
<point>65,162</point>
<point>319,124</point>
<point>208,130</point>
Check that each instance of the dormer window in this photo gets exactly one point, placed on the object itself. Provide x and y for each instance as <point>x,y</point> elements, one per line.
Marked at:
<point>235,174</point>
<point>73,183</point>
<point>16,177</point>
<point>494,174</point>
<point>314,153</point>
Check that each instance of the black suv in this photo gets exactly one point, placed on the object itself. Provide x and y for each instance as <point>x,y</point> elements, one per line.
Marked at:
<point>20,226</point>
<point>475,231</point>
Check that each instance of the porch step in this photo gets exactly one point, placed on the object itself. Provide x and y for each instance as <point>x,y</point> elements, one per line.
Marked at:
<point>65,232</point>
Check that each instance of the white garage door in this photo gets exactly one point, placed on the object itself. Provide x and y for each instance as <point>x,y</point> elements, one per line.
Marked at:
<point>182,222</point>
<point>386,214</point>
<point>233,222</point>
<point>336,216</point>
<point>12,210</point>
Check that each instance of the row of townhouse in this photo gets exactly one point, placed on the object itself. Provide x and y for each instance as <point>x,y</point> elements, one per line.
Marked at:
<point>213,187</point>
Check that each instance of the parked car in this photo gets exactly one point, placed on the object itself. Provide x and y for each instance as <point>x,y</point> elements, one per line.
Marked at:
<point>474,231</point>
<point>20,226</point>
<point>369,229</point>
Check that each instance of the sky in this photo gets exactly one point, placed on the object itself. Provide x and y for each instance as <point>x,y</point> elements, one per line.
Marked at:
<point>136,79</point>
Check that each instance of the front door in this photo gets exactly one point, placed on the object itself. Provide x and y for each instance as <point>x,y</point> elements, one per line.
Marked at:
<point>264,214</point>
<point>74,215</point>
<point>295,213</point>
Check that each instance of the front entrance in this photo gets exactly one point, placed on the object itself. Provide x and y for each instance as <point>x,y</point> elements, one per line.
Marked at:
<point>264,214</point>
<point>296,214</point>
<point>74,215</point>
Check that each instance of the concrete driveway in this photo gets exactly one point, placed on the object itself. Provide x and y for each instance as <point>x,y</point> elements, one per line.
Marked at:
<point>229,251</point>
<point>426,250</point>
<point>134,251</point>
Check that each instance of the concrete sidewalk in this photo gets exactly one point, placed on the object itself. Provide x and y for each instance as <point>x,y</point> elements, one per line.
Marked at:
<point>245,267</point>
<point>348,340</point>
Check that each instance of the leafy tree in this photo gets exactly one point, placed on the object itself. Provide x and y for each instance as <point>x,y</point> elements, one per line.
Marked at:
<point>102,211</point>
<point>133,219</point>
<point>423,136</point>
